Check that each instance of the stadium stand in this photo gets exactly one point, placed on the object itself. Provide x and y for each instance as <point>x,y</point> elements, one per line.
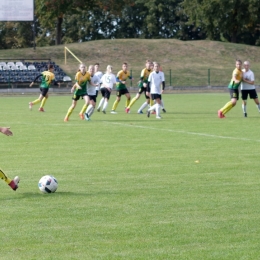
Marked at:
<point>25,71</point>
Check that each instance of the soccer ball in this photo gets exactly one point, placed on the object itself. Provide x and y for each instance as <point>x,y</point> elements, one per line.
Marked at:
<point>48,184</point>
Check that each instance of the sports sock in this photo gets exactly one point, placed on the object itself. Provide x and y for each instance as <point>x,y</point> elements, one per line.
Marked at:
<point>84,108</point>
<point>244,108</point>
<point>152,107</point>
<point>90,110</point>
<point>227,107</point>
<point>151,102</point>
<point>162,103</point>
<point>36,101</point>
<point>4,177</point>
<point>127,102</point>
<point>115,105</point>
<point>105,105</point>
<point>101,103</point>
<point>69,112</point>
<point>132,102</point>
<point>157,109</point>
<point>43,102</point>
<point>143,106</point>
<point>258,107</point>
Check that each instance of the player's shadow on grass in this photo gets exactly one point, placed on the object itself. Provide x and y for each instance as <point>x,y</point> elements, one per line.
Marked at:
<point>49,195</point>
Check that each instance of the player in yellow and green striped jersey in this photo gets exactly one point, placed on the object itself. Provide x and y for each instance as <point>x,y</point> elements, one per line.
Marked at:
<point>121,88</point>
<point>142,86</point>
<point>79,90</point>
<point>47,77</point>
<point>233,86</point>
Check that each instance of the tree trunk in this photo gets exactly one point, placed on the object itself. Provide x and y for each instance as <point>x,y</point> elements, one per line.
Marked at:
<point>234,37</point>
<point>58,30</point>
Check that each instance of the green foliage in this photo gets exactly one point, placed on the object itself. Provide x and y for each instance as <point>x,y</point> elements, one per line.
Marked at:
<point>235,21</point>
<point>15,35</point>
<point>129,186</point>
<point>88,25</point>
<point>53,12</point>
<point>66,21</point>
<point>161,20</point>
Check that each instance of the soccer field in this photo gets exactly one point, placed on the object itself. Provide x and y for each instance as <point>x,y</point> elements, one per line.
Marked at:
<point>131,187</point>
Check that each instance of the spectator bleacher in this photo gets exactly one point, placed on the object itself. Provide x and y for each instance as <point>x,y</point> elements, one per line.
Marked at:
<point>26,71</point>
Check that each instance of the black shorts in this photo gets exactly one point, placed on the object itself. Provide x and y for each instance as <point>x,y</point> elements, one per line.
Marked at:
<point>148,89</point>
<point>251,92</point>
<point>234,93</point>
<point>141,90</point>
<point>44,91</point>
<point>96,92</point>
<point>105,93</point>
<point>77,97</point>
<point>121,92</point>
<point>93,98</point>
<point>156,96</point>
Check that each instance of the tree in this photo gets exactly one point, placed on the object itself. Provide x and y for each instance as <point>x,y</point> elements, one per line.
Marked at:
<point>14,35</point>
<point>161,19</point>
<point>52,12</point>
<point>155,19</point>
<point>229,20</point>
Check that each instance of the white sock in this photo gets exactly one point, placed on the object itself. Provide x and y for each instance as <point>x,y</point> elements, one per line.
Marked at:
<point>101,103</point>
<point>244,108</point>
<point>162,103</point>
<point>105,105</point>
<point>157,109</point>
<point>143,106</point>
<point>258,107</point>
<point>152,107</point>
<point>90,110</point>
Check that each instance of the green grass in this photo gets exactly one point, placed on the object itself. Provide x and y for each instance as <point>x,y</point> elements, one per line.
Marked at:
<point>188,61</point>
<point>129,186</point>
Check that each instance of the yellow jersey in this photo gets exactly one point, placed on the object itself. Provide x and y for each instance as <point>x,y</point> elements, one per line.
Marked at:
<point>47,78</point>
<point>144,77</point>
<point>82,80</point>
<point>122,76</point>
<point>238,75</point>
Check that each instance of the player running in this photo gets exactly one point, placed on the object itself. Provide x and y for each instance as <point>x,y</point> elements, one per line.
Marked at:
<point>248,88</point>
<point>162,102</point>
<point>155,80</point>
<point>47,77</point>
<point>91,90</point>
<point>142,88</point>
<point>108,81</point>
<point>12,183</point>
<point>79,90</point>
<point>121,88</point>
<point>99,74</point>
<point>237,77</point>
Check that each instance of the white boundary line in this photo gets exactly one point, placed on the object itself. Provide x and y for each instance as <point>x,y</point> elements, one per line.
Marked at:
<point>185,132</point>
<point>150,128</point>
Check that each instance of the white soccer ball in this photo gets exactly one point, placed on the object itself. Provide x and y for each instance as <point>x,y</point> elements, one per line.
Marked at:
<point>48,184</point>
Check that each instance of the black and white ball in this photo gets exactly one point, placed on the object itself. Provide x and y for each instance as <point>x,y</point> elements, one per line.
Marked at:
<point>48,184</point>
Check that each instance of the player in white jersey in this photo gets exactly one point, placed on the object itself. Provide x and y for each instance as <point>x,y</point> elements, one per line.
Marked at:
<point>99,74</point>
<point>248,87</point>
<point>91,90</point>
<point>162,103</point>
<point>155,80</point>
<point>108,80</point>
